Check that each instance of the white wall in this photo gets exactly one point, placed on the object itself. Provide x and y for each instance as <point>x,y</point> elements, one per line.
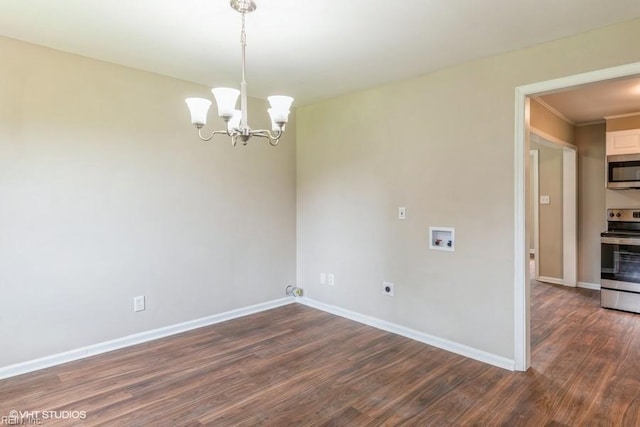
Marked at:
<point>107,193</point>
<point>443,146</point>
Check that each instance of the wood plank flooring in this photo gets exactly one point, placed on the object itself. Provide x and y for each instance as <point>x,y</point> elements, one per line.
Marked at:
<point>301,367</point>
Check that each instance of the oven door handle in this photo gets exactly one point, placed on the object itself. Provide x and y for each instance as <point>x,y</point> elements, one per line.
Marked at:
<point>621,241</point>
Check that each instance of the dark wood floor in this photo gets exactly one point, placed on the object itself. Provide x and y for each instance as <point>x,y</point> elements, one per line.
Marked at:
<point>298,366</point>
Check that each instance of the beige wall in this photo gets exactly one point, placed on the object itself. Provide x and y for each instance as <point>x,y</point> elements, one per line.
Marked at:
<point>362,155</point>
<point>544,120</point>
<point>550,215</point>
<point>107,193</point>
<point>623,123</point>
<point>591,200</point>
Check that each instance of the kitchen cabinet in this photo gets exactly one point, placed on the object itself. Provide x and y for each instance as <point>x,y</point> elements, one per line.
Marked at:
<point>623,142</point>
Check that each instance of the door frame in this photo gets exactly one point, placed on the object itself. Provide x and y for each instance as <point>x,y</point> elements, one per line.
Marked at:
<point>534,164</point>
<point>522,317</point>
<point>570,216</point>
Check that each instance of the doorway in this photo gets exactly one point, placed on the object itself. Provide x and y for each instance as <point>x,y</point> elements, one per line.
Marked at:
<point>522,350</point>
<point>553,209</point>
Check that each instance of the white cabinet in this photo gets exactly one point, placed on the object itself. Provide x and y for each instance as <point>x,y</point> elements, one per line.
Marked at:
<point>623,142</point>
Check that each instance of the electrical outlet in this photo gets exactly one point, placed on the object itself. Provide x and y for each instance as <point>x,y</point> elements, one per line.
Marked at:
<point>387,289</point>
<point>138,303</point>
<point>331,280</point>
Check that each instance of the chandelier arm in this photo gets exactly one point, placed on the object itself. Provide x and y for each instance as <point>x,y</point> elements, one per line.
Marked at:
<point>265,133</point>
<point>274,138</point>
<point>214,133</point>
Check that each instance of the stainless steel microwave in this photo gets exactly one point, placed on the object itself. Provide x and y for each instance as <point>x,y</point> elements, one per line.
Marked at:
<point>623,171</point>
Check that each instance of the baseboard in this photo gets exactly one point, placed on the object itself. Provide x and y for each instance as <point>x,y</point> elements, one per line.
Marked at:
<point>463,350</point>
<point>587,285</point>
<point>139,338</point>
<point>556,281</point>
<point>553,280</point>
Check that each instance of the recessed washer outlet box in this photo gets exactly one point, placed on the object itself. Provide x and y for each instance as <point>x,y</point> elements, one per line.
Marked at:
<point>442,238</point>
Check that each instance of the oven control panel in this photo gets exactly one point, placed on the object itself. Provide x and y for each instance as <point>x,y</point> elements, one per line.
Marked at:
<point>627,215</point>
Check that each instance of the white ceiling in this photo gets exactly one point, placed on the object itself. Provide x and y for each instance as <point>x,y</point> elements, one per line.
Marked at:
<point>311,49</point>
<point>591,103</point>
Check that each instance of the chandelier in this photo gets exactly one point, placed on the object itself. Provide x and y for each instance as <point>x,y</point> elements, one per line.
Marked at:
<point>227,98</point>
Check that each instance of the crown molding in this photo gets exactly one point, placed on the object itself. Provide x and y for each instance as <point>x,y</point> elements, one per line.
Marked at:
<point>619,116</point>
<point>595,122</point>
<point>553,111</point>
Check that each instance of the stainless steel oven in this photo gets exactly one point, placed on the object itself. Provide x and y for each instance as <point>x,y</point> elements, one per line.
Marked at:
<point>620,261</point>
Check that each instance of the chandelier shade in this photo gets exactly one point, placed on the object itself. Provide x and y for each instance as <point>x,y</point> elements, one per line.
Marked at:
<point>227,98</point>
<point>280,106</point>
<point>198,107</point>
<point>274,123</point>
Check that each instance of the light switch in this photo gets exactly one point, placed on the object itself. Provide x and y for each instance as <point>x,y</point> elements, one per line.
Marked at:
<point>402,213</point>
<point>544,200</point>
